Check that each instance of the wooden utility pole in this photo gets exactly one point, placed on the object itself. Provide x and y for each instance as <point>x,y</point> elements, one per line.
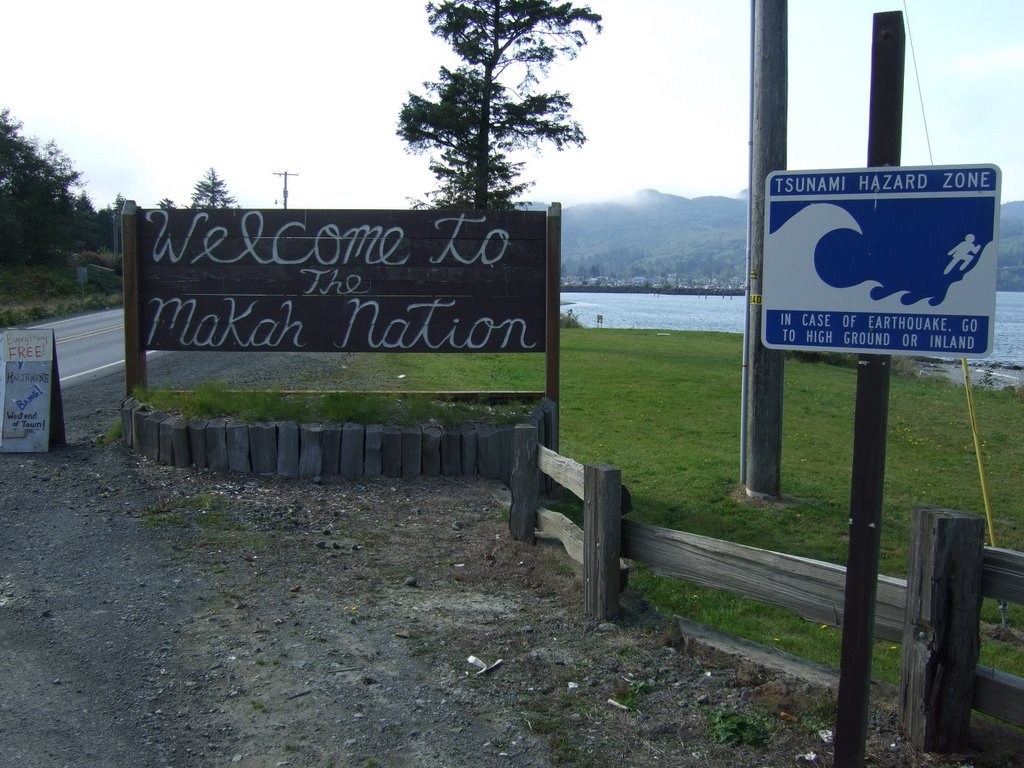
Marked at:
<point>765,366</point>
<point>286,174</point>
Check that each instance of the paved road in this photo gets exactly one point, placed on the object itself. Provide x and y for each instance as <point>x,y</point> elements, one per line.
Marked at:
<point>89,346</point>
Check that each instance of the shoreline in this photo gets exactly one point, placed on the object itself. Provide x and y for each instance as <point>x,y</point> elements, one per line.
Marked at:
<point>983,374</point>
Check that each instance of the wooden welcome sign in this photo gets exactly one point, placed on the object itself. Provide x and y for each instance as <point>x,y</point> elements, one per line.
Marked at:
<point>233,280</point>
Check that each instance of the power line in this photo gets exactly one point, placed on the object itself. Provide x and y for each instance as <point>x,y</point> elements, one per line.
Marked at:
<point>917,78</point>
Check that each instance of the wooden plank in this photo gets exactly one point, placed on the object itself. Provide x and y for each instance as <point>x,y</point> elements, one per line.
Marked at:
<point>430,452</point>
<point>551,423</point>
<point>197,442</point>
<point>138,428</point>
<point>412,452</point>
<point>451,452</point>
<point>522,518</point>
<point>392,452</point>
<point>469,450</point>
<point>128,408</point>
<point>488,453</point>
<point>330,446</point>
<point>602,540</point>
<point>166,446</point>
<point>505,442</point>
<point>565,471</point>
<point>373,450</point>
<point>151,434</point>
<point>751,652</point>
<point>288,449</point>
<point>237,436</point>
<point>310,450</point>
<point>353,458</point>
<point>940,642</point>
<point>1002,575</point>
<point>179,443</point>
<point>263,447</point>
<point>558,526</point>
<point>217,445</point>
<point>540,415</point>
<point>808,588</point>
<point>999,695</point>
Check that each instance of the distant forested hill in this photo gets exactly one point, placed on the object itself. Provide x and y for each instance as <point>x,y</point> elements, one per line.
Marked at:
<point>652,234</point>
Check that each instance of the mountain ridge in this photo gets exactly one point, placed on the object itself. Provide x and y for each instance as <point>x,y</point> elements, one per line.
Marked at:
<point>654,235</point>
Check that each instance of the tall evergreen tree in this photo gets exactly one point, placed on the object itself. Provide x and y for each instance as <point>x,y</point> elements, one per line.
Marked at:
<point>471,118</point>
<point>38,186</point>
<point>109,220</point>
<point>211,191</point>
<point>87,229</point>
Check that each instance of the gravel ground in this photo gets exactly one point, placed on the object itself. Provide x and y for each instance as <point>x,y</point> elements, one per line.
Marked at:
<point>154,617</point>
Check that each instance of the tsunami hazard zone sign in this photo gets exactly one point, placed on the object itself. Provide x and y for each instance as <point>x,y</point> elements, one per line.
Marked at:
<point>892,260</point>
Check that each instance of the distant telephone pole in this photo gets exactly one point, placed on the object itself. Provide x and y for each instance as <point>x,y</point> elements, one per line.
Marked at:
<point>286,174</point>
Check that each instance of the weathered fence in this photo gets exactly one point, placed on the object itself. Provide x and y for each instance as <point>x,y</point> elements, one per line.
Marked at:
<point>936,618</point>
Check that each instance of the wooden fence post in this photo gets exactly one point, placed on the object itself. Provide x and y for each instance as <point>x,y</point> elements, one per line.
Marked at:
<point>940,636</point>
<point>602,539</point>
<point>522,518</point>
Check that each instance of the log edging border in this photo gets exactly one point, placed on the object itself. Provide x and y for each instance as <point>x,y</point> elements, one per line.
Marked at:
<point>329,449</point>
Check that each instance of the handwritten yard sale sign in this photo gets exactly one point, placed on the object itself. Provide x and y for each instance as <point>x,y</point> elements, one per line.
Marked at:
<point>341,281</point>
<point>32,416</point>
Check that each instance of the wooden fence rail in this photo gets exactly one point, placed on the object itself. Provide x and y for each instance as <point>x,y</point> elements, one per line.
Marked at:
<point>809,588</point>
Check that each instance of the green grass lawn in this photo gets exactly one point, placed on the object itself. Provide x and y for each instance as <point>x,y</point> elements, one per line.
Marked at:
<point>666,410</point>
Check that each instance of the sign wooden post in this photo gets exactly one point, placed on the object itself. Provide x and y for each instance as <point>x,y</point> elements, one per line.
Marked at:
<point>553,302</point>
<point>870,427</point>
<point>33,413</point>
<point>134,353</point>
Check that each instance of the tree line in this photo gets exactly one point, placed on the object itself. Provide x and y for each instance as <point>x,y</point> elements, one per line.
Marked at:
<point>45,211</point>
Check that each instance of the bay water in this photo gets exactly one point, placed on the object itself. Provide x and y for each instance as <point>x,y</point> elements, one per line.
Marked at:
<point>727,314</point>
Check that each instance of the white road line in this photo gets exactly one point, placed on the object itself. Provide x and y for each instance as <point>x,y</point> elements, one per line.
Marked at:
<point>97,370</point>
<point>91,370</point>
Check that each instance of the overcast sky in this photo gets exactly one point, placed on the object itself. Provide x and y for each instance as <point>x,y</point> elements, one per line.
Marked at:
<point>144,96</point>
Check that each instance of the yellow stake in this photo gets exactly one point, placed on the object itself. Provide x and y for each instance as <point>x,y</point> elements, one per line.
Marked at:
<point>977,452</point>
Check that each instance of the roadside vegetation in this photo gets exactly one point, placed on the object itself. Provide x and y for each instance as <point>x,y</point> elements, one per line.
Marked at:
<point>394,409</point>
<point>29,293</point>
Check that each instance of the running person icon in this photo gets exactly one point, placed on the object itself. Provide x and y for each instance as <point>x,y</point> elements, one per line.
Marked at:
<point>962,255</point>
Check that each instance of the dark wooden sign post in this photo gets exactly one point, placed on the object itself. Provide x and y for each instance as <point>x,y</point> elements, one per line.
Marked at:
<point>871,423</point>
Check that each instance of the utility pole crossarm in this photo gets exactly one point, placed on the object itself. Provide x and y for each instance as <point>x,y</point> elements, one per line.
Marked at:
<point>285,174</point>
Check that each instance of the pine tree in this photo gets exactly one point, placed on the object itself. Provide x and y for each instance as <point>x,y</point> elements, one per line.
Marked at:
<point>211,191</point>
<point>471,118</point>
